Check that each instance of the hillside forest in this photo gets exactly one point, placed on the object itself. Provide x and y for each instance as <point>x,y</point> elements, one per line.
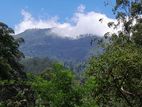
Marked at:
<point>111,79</point>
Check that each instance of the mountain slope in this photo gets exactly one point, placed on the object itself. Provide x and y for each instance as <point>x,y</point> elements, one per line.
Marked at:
<point>43,43</point>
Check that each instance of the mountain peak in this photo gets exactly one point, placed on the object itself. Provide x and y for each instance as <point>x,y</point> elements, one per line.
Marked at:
<point>43,43</point>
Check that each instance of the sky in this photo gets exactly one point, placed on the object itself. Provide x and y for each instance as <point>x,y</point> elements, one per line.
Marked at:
<point>67,17</point>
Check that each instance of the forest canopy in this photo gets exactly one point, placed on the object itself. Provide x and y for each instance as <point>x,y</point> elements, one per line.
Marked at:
<point>111,79</point>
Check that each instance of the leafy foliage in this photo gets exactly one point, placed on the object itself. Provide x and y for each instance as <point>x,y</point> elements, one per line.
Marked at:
<point>14,94</point>
<point>118,76</point>
<point>37,65</point>
<point>118,71</point>
<point>10,68</point>
<point>58,88</point>
<point>112,79</point>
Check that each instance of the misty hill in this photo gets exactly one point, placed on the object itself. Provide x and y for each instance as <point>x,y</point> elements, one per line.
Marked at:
<point>43,43</point>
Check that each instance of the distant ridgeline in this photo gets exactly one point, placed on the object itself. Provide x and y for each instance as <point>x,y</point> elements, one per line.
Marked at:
<point>42,43</point>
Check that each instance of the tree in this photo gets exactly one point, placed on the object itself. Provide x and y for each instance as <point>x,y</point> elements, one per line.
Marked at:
<point>118,71</point>
<point>57,88</point>
<point>128,14</point>
<point>118,76</point>
<point>10,68</point>
<point>13,93</point>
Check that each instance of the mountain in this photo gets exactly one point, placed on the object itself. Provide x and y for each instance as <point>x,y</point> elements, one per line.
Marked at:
<point>43,43</point>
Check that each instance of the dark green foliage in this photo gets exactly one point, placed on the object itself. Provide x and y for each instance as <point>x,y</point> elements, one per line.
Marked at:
<point>118,76</point>
<point>56,88</point>
<point>14,94</point>
<point>13,91</point>
<point>137,32</point>
<point>10,68</point>
<point>112,79</point>
<point>118,71</point>
<point>37,65</point>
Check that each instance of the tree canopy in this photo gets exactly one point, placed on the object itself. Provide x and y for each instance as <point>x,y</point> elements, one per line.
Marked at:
<point>118,71</point>
<point>10,68</point>
<point>111,79</point>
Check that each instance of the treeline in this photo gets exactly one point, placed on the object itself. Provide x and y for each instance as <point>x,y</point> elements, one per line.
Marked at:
<point>39,64</point>
<point>112,79</point>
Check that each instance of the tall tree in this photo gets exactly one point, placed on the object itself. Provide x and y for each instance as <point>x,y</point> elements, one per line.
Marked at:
<point>118,71</point>
<point>10,68</point>
<point>129,16</point>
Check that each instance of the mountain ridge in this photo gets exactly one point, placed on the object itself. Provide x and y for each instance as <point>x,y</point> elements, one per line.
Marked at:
<point>44,43</point>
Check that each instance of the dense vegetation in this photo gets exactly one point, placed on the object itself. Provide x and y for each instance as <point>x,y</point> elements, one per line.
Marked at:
<point>112,79</point>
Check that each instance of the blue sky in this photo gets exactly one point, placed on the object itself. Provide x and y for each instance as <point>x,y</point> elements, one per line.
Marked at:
<point>10,10</point>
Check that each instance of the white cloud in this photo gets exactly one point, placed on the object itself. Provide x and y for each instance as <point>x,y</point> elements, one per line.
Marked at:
<point>81,8</point>
<point>81,23</point>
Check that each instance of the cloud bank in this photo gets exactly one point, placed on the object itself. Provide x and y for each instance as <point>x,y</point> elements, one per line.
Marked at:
<point>81,22</point>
